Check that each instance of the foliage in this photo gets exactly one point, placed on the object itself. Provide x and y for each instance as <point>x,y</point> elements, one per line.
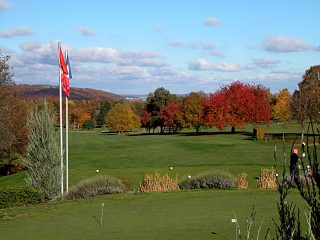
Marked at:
<point>13,114</point>
<point>168,115</point>
<point>281,111</point>
<point>236,105</point>
<point>306,101</point>
<point>267,179</point>
<point>288,226</point>
<point>242,182</point>
<point>121,118</point>
<point>210,180</point>
<point>13,196</point>
<point>5,73</point>
<point>105,108</point>
<point>155,102</point>
<point>43,154</point>
<point>310,191</point>
<point>98,185</point>
<point>192,111</point>
<point>154,182</point>
<point>11,165</point>
<point>88,125</point>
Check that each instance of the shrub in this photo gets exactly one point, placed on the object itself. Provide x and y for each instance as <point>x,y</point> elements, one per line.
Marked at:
<point>267,179</point>
<point>99,185</point>
<point>13,196</point>
<point>154,182</point>
<point>210,180</point>
<point>88,125</point>
<point>242,182</point>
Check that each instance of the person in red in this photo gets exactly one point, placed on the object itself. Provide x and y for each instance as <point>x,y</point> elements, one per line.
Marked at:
<point>294,169</point>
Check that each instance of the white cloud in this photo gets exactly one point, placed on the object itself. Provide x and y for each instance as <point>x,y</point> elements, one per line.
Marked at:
<point>284,44</point>
<point>175,43</point>
<point>95,54</point>
<point>211,22</point>
<point>266,63</point>
<point>207,46</point>
<point>158,27</point>
<point>4,5</point>
<point>20,31</point>
<point>85,31</point>
<point>202,64</point>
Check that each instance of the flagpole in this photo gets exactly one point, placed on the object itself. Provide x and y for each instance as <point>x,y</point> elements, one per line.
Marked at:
<point>67,147</point>
<point>61,132</point>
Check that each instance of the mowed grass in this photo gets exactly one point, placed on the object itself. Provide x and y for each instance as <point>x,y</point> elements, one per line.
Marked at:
<point>170,215</point>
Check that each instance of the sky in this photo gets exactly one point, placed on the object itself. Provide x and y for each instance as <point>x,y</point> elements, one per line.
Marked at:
<point>136,46</point>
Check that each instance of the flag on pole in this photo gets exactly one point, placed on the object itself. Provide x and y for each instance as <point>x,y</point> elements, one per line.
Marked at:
<point>64,73</point>
<point>68,65</point>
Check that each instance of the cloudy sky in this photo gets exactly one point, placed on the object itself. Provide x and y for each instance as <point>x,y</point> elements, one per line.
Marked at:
<point>136,46</point>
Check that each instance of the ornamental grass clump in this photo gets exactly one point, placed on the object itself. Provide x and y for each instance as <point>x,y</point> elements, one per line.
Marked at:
<point>210,180</point>
<point>267,179</point>
<point>242,182</point>
<point>99,185</point>
<point>155,182</point>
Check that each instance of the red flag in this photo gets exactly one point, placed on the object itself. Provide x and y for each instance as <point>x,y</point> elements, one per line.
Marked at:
<point>64,74</point>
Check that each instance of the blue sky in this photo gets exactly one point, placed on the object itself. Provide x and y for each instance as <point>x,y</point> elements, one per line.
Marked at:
<point>134,47</point>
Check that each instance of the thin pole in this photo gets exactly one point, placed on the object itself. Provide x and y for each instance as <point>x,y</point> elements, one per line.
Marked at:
<point>61,133</point>
<point>67,147</point>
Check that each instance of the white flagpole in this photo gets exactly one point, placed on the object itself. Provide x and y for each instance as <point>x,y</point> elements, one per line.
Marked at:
<point>61,132</point>
<point>67,147</point>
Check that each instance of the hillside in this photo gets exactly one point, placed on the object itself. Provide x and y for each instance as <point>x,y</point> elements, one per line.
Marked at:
<point>52,92</point>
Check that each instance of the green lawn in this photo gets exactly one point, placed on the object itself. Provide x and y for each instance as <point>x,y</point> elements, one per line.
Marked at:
<point>174,215</point>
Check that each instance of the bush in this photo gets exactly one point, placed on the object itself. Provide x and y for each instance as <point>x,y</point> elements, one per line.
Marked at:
<point>13,196</point>
<point>210,180</point>
<point>157,183</point>
<point>99,185</point>
<point>258,133</point>
<point>267,179</point>
<point>88,125</point>
<point>242,182</point>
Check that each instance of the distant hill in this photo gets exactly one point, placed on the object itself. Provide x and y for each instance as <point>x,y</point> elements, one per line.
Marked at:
<point>52,92</point>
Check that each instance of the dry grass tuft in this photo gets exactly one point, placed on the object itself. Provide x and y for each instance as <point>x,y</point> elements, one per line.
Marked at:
<point>154,182</point>
<point>242,182</point>
<point>267,179</point>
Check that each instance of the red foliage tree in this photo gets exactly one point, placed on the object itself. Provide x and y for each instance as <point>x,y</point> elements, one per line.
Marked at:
<point>145,119</point>
<point>236,105</point>
<point>168,115</point>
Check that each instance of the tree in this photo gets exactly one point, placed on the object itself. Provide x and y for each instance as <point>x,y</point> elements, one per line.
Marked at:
<point>5,73</point>
<point>105,108</point>
<point>145,120</point>
<point>155,102</point>
<point>13,114</point>
<point>192,110</point>
<point>168,116</point>
<point>236,105</point>
<point>306,101</point>
<point>43,154</point>
<point>281,111</point>
<point>122,118</point>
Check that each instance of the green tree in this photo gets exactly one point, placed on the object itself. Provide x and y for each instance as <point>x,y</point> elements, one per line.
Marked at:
<point>43,154</point>
<point>155,102</point>
<point>122,118</point>
<point>105,108</point>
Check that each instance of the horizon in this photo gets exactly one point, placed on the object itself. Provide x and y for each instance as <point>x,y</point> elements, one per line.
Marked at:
<point>134,47</point>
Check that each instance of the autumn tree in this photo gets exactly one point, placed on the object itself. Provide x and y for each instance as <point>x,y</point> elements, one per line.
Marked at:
<point>281,111</point>
<point>168,115</point>
<point>155,102</point>
<point>122,118</point>
<point>306,101</point>
<point>145,120</point>
<point>13,114</point>
<point>236,105</point>
<point>192,110</point>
